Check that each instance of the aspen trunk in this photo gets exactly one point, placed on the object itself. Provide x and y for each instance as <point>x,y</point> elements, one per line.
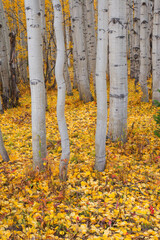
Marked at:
<point>101,88</point>
<point>4,52</point>
<point>67,77</point>
<point>79,44</point>
<point>3,151</point>
<point>118,71</point>
<point>144,49</point>
<point>66,71</point>
<point>136,41</point>
<point>13,84</point>
<point>35,57</point>
<point>131,39</point>
<point>74,50</point>
<point>23,74</point>
<point>58,21</point>
<point>90,37</point>
<point>68,50</point>
<point>150,30</point>
<point>156,52</point>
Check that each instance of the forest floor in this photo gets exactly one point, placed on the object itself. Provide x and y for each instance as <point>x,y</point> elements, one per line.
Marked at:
<point>123,202</point>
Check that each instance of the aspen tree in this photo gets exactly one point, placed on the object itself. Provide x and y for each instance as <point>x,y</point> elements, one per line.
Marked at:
<point>67,77</point>
<point>68,35</point>
<point>4,53</point>
<point>35,57</point>
<point>3,151</point>
<point>58,21</point>
<point>46,64</point>
<point>101,88</point>
<point>118,70</point>
<point>156,52</point>
<point>89,23</point>
<point>23,74</point>
<point>74,50</point>
<point>150,30</point>
<point>136,40</point>
<point>80,45</point>
<point>128,29</point>
<point>131,36</point>
<point>144,49</point>
<point>66,40</point>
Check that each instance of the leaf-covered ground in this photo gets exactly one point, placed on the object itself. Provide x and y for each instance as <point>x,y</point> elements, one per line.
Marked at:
<point>123,202</point>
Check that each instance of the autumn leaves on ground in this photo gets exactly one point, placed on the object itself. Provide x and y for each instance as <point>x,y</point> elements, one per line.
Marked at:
<point>123,202</point>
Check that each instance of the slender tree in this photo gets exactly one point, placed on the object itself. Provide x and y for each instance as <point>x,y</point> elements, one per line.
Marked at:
<point>101,89</point>
<point>150,32</point>
<point>3,151</point>
<point>156,52</point>
<point>131,36</point>
<point>136,40</point>
<point>4,55</point>
<point>118,70</point>
<point>67,59</point>
<point>74,50</point>
<point>144,38</point>
<point>61,88</point>
<point>90,35</point>
<point>35,57</point>
<point>13,83</point>
<point>80,45</point>
<point>22,70</point>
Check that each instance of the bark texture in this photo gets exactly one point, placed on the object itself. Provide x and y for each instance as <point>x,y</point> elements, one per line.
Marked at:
<point>118,71</point>
<point>13,82</point>
<point>101,88</point>
<point>136,40</point>
<point>90,35</point>
<point>4,57</point>
<point>144,38</point>
<point>61,89</point>
<point>156,52</point>
<point>81,53</point>
<point>35,57</point>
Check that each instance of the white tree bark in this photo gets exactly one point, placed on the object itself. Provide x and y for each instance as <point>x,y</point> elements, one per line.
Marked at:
<point>79,43</point>
<point>4,55</point>
<point>118,70</point>
<point>23,74</point>
<point>46,64</point>
<point>67,58</point>
<point>35,57</point>
<point>90,36</point>
<point>144,38</point>
<point>43,19</point>
<point>5,31</point>
<point>3,151</point>
<point>136,40</point>
<point>131,37</point>
<point>150,29</point>
<point>156,52</point>
<point>75,54</point>
<point>101,88</point>
<point>67,31</point>
<point>67,77</point>
<point>58,21</point>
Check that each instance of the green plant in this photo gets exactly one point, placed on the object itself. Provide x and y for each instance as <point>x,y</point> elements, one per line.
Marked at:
<point>157,119</point>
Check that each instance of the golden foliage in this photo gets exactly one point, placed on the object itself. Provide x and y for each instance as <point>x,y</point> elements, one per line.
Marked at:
<point>123,202</point>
